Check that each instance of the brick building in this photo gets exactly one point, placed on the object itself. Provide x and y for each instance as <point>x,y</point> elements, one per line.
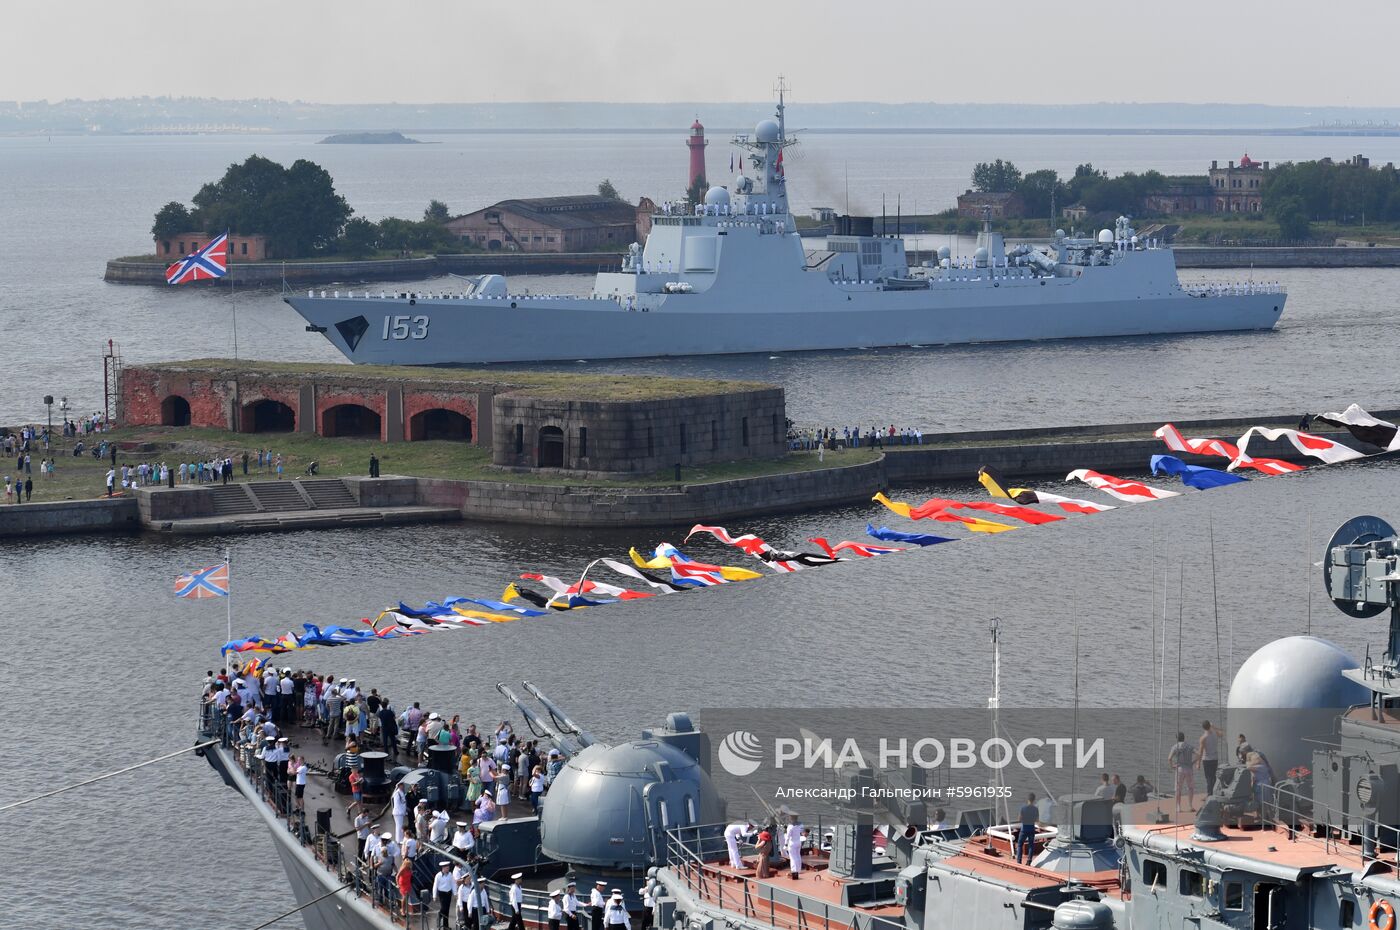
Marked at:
<point>1181,195</point>
<point>996,204</point>
<point>555,224</point>
<point>598,424</point>
<point>241,248</point>
<point>1238,189</point>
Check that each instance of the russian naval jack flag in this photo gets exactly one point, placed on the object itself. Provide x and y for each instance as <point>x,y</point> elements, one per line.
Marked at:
<point>205,264</point>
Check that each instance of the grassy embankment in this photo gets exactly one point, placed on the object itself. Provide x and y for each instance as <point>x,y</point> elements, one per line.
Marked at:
<point>83,478</point>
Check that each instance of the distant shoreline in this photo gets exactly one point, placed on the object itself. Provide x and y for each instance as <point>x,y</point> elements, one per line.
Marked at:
<point>716,131</point>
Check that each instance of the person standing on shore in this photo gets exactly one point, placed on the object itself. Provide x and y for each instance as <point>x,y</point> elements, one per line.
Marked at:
<point>111,479</point>
<point>28,488</point>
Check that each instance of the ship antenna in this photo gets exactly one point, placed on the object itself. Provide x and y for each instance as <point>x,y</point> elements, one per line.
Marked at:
<point>1215,606</point>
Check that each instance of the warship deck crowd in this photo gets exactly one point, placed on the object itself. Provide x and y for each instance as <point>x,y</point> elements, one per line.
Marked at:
<point>1317,846</point>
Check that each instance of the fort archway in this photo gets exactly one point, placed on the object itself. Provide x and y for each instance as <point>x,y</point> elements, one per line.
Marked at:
<point>174,411</point>
<point>268,416</point>
<point>551,447</point>
<point>440,423</point>
<point>350,420</point>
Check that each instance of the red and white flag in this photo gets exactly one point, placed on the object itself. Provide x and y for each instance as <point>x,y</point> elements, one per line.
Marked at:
<point>1317,447</point>
<point>1134,492</point>
<point>1170,435</point>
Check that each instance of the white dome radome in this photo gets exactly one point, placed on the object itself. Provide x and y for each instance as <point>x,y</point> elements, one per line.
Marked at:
<point>717,197</point>
<point>1106,236</point>
<point>1287,692</point>
<point>766,131</point>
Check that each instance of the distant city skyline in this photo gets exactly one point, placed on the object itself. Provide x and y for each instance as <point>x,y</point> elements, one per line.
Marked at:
<point>629,51</point>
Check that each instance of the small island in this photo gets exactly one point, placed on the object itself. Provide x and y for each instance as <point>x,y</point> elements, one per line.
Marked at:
<point>369,138</point>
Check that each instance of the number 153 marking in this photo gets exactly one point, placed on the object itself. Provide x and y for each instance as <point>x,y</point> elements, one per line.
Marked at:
<point>406,327</point>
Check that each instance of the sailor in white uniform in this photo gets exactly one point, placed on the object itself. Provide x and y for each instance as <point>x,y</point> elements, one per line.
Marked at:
<point>400,800</point>
<point>443,888</point>
<point>517,902</point>
<point>793,838</point>
<point>596,903</point>
<point>732,835</point>
<point>617,915</point>
<point>571,906</point>
<point>555,914</point>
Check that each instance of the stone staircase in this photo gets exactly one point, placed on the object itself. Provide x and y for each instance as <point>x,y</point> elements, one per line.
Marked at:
<point>278,496</point>
<point>233,499</point>
<point>328,493</point>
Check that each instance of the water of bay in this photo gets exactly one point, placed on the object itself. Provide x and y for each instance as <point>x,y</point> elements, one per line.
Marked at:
<point>99,665</point>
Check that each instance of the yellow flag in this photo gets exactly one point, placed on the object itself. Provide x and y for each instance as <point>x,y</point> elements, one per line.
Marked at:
<point>897,506</point>
<point>738,574</point>
<point>510,593</point>
<point>484,615</point>
<point>990,480</point>
<point>659,561</point>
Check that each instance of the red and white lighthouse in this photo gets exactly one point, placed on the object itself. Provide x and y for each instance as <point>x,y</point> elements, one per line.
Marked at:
<point>696,143</point>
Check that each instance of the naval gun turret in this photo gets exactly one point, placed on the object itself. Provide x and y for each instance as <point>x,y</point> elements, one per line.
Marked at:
<point>610,806</point>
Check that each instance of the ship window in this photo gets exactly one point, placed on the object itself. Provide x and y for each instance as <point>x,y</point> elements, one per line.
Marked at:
<point>691,816</point>
<point>1154,873</point>
<point>1191,883</point>
<point>583,442</point>
<point>1234,896</point>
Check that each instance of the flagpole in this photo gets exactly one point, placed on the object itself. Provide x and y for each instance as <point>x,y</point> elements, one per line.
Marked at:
<point>228,603</point>
<point>234,305</point>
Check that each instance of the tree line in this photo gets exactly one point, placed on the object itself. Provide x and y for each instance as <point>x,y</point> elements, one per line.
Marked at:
<point>301,214</point>
<point>1044,193</point>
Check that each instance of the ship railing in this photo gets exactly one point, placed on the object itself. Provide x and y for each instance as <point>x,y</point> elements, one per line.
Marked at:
<point>1232,288</point>
<point>1285,808</point>
<point>534,907</point>
<point>339,857</point>
<point>690,852</point>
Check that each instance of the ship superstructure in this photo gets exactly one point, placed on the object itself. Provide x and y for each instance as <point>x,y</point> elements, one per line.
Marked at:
<point>732,275</point>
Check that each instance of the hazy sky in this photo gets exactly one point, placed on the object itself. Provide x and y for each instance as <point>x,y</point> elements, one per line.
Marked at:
<point>431,51</point>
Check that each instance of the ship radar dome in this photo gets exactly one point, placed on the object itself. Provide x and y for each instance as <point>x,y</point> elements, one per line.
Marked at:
<point>717,197</point>
<point>766,131</point>
<point>1287,691</point>
<point>944,252</point>
<point>1059,234</point>
<point>1106,237</point>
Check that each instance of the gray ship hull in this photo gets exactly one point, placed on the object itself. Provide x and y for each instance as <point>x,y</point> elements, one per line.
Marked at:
<point>457,331</point>
<point>310,880</point>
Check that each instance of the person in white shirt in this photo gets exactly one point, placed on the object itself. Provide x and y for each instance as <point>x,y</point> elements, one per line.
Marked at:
<point>374,845</point>
<point>555,913</point>
<point>443,889</point>
<point>466,900</point>
<point>462,840</point>
<point>571,906</point>
<point>400,800</point>
<point>732,834</point>
<point>617,915</point>
<point>438,827</point>
<point>503,796</point>
<point>595,905</point>
<point>517,902</point>
<point>794,846</point>
<point>483,906</point>
<point>362,831</point>
<point>301,771</point>
<point>940,820</point>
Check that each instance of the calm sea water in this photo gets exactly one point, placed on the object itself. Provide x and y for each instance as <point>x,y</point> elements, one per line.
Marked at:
<point>99,665</point>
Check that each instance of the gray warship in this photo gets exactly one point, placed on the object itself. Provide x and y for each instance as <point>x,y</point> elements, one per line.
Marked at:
<point>1319,848</point>
<point>731,275</point>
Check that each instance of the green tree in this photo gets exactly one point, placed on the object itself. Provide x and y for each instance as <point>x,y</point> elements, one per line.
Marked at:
<point>606,189</point>
<point>361,237</point>
<point>297,208</point>
<point>1291,214</point>
<point>1085,176</point>
<point>995,177</point>
<point>1042,192</point>
<point>695,193</point>
<point>436,213</point>
<point>171,220</point>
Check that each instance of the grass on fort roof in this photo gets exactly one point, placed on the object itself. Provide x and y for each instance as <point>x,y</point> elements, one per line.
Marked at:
<point>544,384</point>
<point>84,477</point>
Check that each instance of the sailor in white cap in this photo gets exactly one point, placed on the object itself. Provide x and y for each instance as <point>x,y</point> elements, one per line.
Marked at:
<point>462,839</point>
<point>571,905</point>
<point>517,902</point>
<point>595,904</point>
<point>374,843</point>
<point>617,915</point>
<point>555,914</point>
<point>443,888</point>
<point>483,907</point>
<point>437,827</point>
<point>793,838</point>
<point>732,835</point>
<point>466,898</point>
<point>400,801</point>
